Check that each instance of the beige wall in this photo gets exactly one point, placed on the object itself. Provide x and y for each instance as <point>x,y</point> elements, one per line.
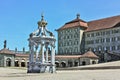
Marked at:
<point>21,60</point>
<point>107,39</point>
<point>88,61</point>
<point>69,40</point>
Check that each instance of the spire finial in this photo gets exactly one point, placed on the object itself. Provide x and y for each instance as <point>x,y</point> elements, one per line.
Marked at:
<point>42,17</point>
<point>42,23</point>
<point>78,16</point>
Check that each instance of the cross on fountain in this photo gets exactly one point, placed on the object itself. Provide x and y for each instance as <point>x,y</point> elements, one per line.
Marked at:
<point>39,42</point>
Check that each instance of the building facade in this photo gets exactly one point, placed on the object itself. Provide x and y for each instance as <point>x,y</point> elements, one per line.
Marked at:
<point>70,37</point>
<point>9,58</point>
<point>101,36</point>
<point>104,35</point>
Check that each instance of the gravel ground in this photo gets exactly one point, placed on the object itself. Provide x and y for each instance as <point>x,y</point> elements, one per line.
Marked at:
<point>20,74</point>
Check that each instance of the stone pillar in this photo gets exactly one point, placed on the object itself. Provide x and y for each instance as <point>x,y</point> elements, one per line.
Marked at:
<point>32,53</point>
<point>19,62</point>
<point>37,53</point>
<point>53,58</point>
<point>26,63</point>
<point>46,54</point>
<point>31,49</point>
<point>43,57</point>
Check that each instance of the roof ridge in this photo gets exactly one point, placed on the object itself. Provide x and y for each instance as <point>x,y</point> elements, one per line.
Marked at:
<point>104,18</point>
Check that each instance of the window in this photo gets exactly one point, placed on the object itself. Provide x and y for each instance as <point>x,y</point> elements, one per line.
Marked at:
<point>107,32</point>
<point>107,39</point>
<point>118,38</point>
<point>97,41</point>
<point>67,37</point>
<point>113,47</point>
<point>88,35</point>
<point>67,43</point>
<point>113,39</point>
<point>118,47</point>
<point>92,35</point>
<point>97,34</point>
<point>116,31</point>
<point>70,50</point>
<point>76,49</point>
<point>103,33</point>
<point>102,40</point>
<point>107,48</point>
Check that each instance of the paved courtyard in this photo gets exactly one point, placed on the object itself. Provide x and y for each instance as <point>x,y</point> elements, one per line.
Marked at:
<point>20,74</point>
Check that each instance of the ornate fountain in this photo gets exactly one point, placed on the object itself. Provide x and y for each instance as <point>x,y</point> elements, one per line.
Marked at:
<point>39,42</point>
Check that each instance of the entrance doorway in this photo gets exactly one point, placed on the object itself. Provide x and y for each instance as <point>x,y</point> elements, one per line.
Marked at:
<point>93,62</point>
<point>63,64</point>
<point>23,63</point>
<point>8,62</point>
<point>83,63</point>
<point>57,64</point>
<point>16,63</point>
<point>76,63</point>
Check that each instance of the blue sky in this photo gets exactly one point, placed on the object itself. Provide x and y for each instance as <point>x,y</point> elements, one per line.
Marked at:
<point>18,18</point>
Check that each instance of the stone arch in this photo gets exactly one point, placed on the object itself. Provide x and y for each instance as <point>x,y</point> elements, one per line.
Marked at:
<point>93,62</point>
<point>76,63</point>
<point>57,63</point>
<point>16,63</point>
<point>8,62</point>
<point>83,63</point>
<point>23,63</point>
<point>63,64</point>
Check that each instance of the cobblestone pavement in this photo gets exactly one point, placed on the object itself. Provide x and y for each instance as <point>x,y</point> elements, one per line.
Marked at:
<point>20,74</point>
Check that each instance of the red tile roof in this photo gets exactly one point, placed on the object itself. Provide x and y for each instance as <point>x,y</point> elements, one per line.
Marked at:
<point>103,23</point>
<point>74,23</point>
<point>6,51</point>
<point>89,54</point>
<point>22,55</point>
<point>67,56</point>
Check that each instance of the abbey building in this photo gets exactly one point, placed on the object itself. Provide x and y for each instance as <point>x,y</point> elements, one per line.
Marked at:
<point>102,36</point>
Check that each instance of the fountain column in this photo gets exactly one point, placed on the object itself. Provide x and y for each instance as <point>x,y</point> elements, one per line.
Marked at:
<point>43,57</point>
<point>31,47</point>
<point>37,53</point>
<point>46,53</point>
<point>53,58</point>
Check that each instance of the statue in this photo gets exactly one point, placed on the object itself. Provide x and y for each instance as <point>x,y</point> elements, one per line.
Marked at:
<point>5,42</point>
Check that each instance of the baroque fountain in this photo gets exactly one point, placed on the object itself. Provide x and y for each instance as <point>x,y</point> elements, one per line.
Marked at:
<point>39,43</point>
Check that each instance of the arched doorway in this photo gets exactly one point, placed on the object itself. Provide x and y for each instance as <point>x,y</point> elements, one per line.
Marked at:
<point>22,63</point>
<point>70,64</point>
<point>16,63</point>
<point>8,62</point>
<point>93,62</point>
<point>83,63</point>
<point>63,64</point>
<point>76,63</point>
<point>57,63</point>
